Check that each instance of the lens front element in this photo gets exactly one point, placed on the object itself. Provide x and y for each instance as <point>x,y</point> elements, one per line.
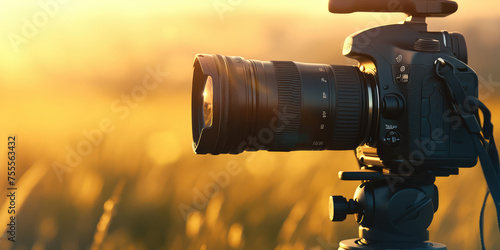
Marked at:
<point>208,102</point>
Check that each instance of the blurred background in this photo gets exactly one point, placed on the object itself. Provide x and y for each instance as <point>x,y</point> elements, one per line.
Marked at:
<point>97,94</point>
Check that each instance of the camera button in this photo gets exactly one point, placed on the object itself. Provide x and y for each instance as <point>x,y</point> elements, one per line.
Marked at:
<point>402,78</point>
<point>392,138</point>
<point>406,78</point>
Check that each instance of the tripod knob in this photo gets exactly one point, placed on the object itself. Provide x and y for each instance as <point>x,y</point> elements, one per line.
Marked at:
<point>340,208</point>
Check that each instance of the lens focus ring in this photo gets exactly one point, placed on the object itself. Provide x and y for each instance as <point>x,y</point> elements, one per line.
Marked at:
<point>290,105</point>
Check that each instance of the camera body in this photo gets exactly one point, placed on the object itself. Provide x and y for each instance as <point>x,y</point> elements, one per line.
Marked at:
<point>416,123</point>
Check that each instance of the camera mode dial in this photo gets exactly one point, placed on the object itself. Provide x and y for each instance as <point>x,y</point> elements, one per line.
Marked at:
<point>427,45</point>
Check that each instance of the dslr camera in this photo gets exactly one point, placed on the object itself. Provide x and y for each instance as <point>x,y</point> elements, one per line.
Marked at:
<point>408,110</point>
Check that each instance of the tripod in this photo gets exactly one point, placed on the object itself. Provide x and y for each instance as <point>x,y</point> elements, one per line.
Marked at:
<point>394,212</point>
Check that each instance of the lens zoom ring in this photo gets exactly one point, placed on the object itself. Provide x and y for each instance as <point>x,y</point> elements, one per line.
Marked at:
<point>290,105</point>
<point>348,111</point>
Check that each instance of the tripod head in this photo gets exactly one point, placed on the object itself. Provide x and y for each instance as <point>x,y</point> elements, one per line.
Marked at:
<point>415,8</point>
<point>393,212</point>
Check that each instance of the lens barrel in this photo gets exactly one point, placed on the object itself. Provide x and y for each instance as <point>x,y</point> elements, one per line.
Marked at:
<point>280,106</point>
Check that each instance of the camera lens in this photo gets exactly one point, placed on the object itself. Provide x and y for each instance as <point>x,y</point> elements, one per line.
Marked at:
<point>247,105</point>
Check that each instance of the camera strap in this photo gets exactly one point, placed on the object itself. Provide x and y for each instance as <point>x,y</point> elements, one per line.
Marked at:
<point>465,107</point>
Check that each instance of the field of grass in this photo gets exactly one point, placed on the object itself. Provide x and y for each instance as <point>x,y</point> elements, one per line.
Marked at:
<point>138,184</point>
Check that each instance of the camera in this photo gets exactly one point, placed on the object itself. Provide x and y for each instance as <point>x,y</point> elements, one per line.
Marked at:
<point>391,107</point>
<point>409,110</point>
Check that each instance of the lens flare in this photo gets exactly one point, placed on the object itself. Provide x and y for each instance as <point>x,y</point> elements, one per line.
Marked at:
<point>208,102</point>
